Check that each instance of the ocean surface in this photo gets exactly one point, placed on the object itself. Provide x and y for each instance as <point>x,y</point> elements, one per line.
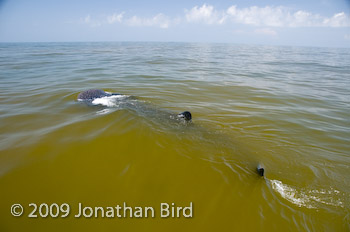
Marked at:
<point>287,108</point>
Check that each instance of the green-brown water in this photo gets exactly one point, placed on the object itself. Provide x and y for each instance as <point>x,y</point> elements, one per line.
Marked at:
<point>285,107</point>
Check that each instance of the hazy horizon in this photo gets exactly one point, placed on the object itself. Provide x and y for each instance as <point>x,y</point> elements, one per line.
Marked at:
<point>291,23</point>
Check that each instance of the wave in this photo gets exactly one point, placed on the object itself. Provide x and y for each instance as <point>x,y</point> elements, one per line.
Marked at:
<point>109,101</point>
<point>308,198</point>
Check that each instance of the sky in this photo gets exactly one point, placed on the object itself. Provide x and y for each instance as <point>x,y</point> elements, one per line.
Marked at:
<point>324,23</point>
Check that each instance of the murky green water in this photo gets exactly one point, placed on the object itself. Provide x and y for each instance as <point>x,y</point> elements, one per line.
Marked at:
<point>285,107</point>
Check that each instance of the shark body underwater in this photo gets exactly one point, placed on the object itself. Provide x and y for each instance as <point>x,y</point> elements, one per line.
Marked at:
<point>90,96</point>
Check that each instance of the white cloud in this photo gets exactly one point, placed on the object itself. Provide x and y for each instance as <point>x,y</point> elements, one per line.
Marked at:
<point>338,20</point>
<point>268,16</point>
<point>158,20</point>
<point>265,31</point>
<point>89,21</point>
<point>284,17</point>
<point>115,18</point>
<point>206,14</point>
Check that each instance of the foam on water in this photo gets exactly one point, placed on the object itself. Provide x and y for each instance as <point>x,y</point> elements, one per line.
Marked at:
<point>109,101</point>
<point>104,111</point>
<point>307,198</point>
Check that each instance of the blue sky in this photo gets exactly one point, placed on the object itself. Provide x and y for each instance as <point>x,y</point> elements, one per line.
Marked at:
<point>301,23</point>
